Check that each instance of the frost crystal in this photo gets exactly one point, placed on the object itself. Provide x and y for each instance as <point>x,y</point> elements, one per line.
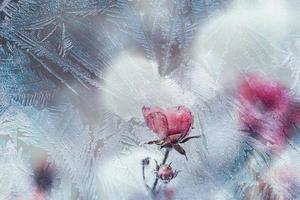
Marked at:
<point>75,75</point>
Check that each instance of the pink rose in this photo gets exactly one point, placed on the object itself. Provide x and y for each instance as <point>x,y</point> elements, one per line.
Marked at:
<point>267,109</point>
<point>174,123</point>
<point>172,126</point>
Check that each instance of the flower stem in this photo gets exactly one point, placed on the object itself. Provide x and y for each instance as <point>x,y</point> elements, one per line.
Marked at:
<point>145,162</point>
<point>163,162</point>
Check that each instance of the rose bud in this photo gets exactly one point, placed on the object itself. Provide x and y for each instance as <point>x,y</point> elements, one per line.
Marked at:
<point>166,173</point>
<point>172,125</point>
<point>267,110</point>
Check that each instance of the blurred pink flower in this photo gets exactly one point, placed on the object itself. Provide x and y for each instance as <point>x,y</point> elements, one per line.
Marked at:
<point>267,109</point>
<point>169,193</point>
<point>285,180</point>
<point>173,124</point>
<point>39,195</point>
<point>280,182</point>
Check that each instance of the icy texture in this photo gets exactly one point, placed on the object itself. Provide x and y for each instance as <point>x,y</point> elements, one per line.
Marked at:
<point>75,74</point>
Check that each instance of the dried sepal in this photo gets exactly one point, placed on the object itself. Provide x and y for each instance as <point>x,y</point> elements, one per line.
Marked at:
<point>188,138</point>
<point>179,149</point>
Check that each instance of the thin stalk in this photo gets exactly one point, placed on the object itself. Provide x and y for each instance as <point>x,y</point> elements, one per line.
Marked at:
<point>145,162</point>
<point>163,162</point>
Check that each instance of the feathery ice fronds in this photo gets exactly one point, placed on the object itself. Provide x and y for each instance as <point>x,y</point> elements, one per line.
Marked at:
<point>74,75</point>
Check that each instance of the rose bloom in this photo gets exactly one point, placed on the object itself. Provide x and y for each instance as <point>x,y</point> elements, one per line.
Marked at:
<point>172,124</point>
<point>267,110</point>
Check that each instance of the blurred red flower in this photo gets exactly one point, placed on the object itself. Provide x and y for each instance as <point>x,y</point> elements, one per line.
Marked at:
<point>267,109</point>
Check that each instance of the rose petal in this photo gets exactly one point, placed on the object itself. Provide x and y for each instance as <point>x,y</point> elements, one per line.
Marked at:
<point>174,123</point>
<point>156,121</point>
